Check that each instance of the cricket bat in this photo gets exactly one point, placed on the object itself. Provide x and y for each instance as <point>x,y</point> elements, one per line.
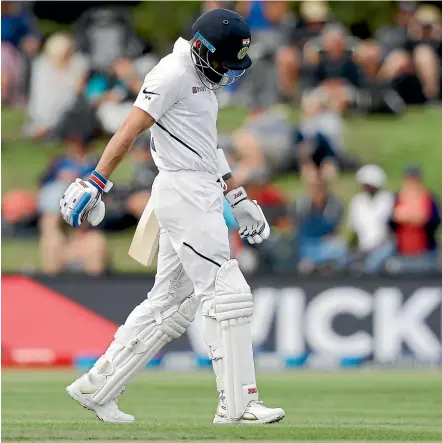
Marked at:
<point>144,245</point>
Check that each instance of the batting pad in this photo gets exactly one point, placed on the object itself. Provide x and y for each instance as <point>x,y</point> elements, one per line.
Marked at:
<point>233,311</point>
<point>138,347</point>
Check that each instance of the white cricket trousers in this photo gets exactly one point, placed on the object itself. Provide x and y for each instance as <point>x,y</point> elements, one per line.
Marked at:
<point>194,239</point>
<point>193,245</point>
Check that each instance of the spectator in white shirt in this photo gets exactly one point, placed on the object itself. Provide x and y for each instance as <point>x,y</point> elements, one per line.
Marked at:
<point>369,213</point>
<point>58,77</point>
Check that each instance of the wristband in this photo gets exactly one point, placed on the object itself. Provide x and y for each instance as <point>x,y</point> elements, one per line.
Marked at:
<point>99,182</point>
<point>236,196</point>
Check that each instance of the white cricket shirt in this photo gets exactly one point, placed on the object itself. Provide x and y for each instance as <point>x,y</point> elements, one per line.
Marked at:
<point>185,135</point>
<point>368,217</point>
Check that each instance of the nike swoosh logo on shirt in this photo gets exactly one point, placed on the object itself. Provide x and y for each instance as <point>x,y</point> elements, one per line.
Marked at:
<point>145,91</point>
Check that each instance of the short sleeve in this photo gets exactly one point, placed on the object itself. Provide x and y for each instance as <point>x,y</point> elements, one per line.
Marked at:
<point>161,89</point>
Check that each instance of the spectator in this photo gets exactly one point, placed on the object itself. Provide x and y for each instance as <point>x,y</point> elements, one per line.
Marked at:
<point>259,90</point>
<point>267,21</point>
<point>58,77</point>
<point>425,46</point>
<point>415,219</point>
<point>83,249</point>
<point>289,60</point>
<point>104,35</point>
<point>113,94</point>
<point>420,53</point>
<point>20,40</point>
<point>381,53</point>
<point>318,141</point>
<point>261,147</point>
<point>317,217</point>
<point>368,220</point>
<point>268,143</point>
<point>394,36</point>
<point>334,68</point>
<point>273,252</point>
<point>18,208</point>
<point>342,66</point>
<point>18,27</point>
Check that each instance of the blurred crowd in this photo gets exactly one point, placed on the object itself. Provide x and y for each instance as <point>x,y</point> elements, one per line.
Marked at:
<point>78,88</point>
<point>386,232</point>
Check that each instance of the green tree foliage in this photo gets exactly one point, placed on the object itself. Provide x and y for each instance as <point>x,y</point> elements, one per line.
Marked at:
<point>161,22</point>
<point>375,13</point>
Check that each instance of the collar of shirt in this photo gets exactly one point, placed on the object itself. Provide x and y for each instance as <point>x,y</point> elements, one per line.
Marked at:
<point>182,47</point>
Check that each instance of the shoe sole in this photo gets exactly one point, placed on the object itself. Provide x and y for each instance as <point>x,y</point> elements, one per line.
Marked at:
<point>78,399</point>
<point>225,421</point>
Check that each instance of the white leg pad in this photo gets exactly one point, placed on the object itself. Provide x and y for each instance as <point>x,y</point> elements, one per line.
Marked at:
<point>232,308</point>
<point>139,346</point>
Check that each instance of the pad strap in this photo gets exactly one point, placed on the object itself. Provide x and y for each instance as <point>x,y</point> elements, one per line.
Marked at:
<point>139,345</point>
<point>231,306</point>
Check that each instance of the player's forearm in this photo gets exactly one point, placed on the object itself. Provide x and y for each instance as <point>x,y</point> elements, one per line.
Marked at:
<point>115,151</point>
<point>224,171</point>
<point>137,122</point>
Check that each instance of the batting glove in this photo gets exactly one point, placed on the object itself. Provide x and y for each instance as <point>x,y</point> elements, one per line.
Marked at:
<point>251,221</point>
<point>82,200</point>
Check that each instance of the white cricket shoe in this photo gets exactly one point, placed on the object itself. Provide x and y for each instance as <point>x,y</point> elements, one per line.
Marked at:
<point>255,413</point>
<point>82,391</point>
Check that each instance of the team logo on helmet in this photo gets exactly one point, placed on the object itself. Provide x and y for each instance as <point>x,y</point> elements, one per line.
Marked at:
<point>243,51</point>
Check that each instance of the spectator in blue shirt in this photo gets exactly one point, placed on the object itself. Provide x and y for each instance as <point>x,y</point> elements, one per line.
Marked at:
<point>318,216</point>
<point>17,25</point>
<point>20,42</point>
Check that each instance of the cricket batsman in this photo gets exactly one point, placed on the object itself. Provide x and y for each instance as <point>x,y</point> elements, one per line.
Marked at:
<point>177,102</point>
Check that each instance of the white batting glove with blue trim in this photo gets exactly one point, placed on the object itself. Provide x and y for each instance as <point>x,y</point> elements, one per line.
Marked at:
<point>83,200</point>
<point>251,221</point>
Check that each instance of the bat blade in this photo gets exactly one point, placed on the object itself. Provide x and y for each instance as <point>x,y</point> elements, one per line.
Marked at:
<point>145,242</point>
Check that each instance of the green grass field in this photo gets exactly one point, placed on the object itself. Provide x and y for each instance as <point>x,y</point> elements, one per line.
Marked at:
<point>321,407</point>
<point>391,142</point>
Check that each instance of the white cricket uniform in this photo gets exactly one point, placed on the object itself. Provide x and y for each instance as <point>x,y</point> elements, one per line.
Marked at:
<point>193,247</point>
<point>187,196</point>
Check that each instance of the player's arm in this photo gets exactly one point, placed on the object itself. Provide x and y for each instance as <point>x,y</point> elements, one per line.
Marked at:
<point>83,197</point>
<point>82,200</point>
<point>160,90</point>
<point>251,221</point>
<point>137,122</point>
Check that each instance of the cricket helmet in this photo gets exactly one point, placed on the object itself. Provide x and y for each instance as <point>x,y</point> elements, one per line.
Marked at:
<point>221,54</point>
